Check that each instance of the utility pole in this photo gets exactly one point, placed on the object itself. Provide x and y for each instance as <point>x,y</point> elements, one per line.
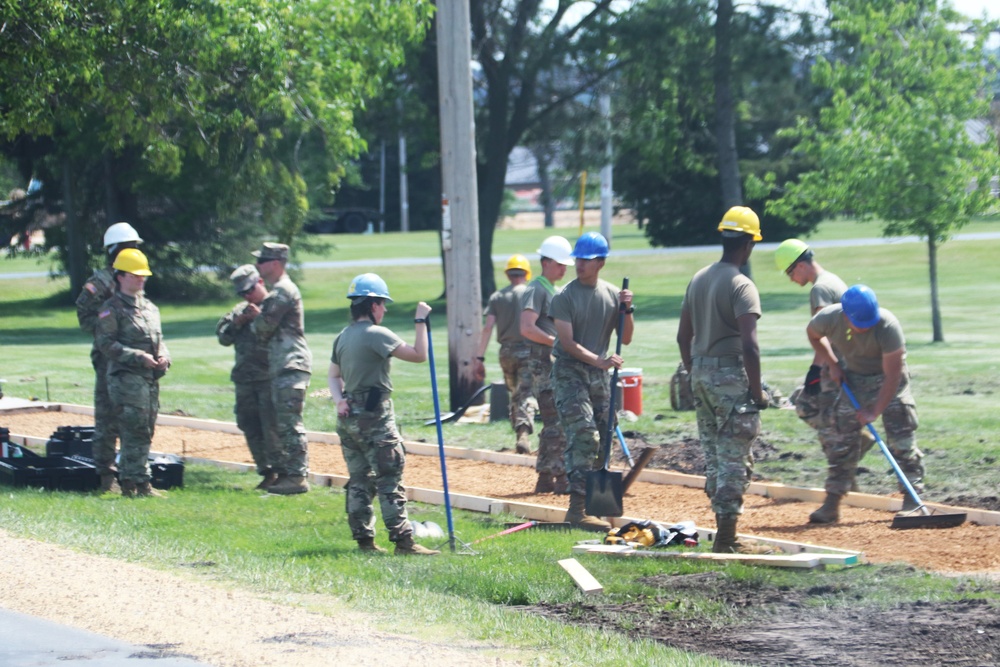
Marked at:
<point>459,200</point>
<point>606,175</point>
<point>404,183</point>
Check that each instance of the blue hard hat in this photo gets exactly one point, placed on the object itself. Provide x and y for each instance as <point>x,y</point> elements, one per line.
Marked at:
<point>590,246</point>
<point>368,284</point>
<point>860,306</point>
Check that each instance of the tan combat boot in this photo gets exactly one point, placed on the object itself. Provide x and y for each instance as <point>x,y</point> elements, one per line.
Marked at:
<point>829,511</point>
<point>145,489</point>
<point>725,535</point>
<point>368,544</point>
<point>577,516</point>
<point>407,547</point>
<point>109,483</point>
<point>270,477</point>
<point>289,485</point>
<point>544,483</point>
<point>523,441</point>
<point>128,488</point>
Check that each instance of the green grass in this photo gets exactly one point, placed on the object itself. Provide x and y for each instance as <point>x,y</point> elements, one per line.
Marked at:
<point>258,544</point>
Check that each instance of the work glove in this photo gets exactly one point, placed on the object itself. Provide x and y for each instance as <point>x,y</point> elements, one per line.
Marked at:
<point>812,384</point>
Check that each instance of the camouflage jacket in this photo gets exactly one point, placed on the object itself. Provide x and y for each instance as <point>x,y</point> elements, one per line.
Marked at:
<point>126,328</point>
<point>98,289</point>
<point>281,326</point>
<point>251,353</point>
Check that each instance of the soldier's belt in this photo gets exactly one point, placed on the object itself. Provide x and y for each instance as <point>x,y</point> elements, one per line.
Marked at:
<point>725,361</point>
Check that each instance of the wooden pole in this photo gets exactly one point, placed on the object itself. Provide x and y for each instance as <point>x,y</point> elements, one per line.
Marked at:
<point>459,199</point>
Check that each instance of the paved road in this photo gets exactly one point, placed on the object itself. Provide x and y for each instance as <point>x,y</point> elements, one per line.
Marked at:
<point>434,261</point>
<point>27,641</point>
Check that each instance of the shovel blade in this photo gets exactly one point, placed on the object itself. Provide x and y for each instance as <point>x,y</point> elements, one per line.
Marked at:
<point>604,493</point>
<point>904,521</point>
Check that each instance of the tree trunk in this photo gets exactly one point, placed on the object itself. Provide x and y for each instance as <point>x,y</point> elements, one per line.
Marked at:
<point>491,182</point>
<point>548,201</point>
<point>935,304</point>
<point>76,256</point>
<point>725,113</point>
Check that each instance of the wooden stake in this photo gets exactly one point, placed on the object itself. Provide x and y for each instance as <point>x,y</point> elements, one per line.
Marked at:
<point>584,580</point>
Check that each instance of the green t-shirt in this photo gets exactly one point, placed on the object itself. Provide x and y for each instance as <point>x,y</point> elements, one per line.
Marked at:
<point>363,351</point>
<point>826,291</point>
<point>505,306</point>
<point>715,298</point>
<point>593,313</point>
<point>538,297</point>
<point>862,351</point>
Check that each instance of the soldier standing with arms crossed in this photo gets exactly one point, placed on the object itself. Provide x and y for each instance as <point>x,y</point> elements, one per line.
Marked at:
<point>128,333</point>
<point>96,291</point>
<point>717,336</point>
<point>504,310</point>
<point>281,325</point>
<point>870,341</point>
<point>366,424</point>
<point>586,315</point>
<point>539,329</point>
<point>254,407</point>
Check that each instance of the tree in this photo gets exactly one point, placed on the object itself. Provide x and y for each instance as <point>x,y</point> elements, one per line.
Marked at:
<point>208,123</point>
<point>892,143</point>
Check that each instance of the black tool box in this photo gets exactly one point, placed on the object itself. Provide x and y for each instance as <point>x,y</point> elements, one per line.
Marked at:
<point>56,473</point>
<point>71,441</point>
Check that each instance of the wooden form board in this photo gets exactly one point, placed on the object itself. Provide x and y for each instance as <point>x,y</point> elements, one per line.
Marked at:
<point>584,580</point>
<point>767,490</point>
<point>805,561</point>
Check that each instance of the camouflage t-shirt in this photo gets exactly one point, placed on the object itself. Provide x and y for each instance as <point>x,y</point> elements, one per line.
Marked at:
<point>251,354</point>
<point>715,299</point>
<point>538,297</point>
<point>505,306</point>
<point>96,291</point>
<point>862,351</point>
<point>281,324</point>
<point>363,351</point>
<point>127,327</point>
<point>593,313</point>
<point>826,291</point>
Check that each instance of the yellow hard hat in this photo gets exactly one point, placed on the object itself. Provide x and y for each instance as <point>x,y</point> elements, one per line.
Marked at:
<point>741,219</point>
<point>519,262</point>
<point>131,260</point>
<point>789,251</point>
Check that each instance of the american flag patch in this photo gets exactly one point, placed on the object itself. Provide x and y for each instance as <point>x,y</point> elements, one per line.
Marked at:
<point>104,314</point>
<point>90,288</point>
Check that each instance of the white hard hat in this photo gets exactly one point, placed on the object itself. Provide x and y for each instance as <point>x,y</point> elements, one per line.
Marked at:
<point>120,232</point>
<point>557,248</point>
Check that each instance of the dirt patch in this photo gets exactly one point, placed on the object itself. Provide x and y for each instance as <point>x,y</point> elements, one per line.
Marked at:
<point>800,628</point>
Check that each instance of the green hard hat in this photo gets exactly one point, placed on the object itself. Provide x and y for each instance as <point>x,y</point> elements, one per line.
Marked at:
<point>788,252</point>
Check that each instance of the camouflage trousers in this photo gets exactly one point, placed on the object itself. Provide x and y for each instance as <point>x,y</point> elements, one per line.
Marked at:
<point>373,451</point>
<point>583,399</point>
<point>288,393</point>
<point>517,376</point>
<point>255,416</point>
<point>845,441</point>
<point>551,440</point>
<point>105,422</point>
<point>728,424</point>
<point>136,402</point>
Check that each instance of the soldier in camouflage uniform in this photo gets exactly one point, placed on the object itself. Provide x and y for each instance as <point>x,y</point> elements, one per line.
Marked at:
<point>586,315</point>
<point>361,388</point>
<point>254,409</point>
<point>504,310</point>
<point>128,333</point>
<point>281,326</point>
<point>870,341</point>
<point>96,291</point>
<point>539,329</point>
<point>717,336</point>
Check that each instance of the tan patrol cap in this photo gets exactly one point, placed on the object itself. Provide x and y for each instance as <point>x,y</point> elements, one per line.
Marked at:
<point>244,278</point>
<point>269,251</point>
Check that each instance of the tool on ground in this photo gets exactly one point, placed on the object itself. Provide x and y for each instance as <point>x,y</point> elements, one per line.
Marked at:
<point>625,451</point>
<point>604,487</point>
<point>903,520</point>
<point>515,529</point>
<point>457,414</point>
<point>437,421</point>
